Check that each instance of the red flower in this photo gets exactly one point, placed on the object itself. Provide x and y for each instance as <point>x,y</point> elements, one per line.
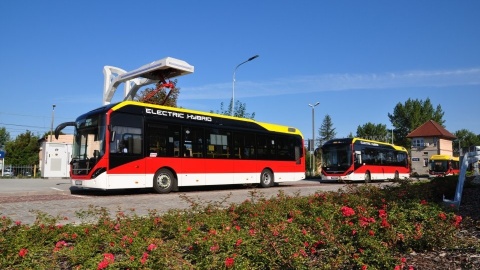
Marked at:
<point>364,267</point>
<point>385,223</point>
<point>347,211</point>
<point>382,213</point>
<point>229,262</point>
<point>239,242</point>
<point>364,221</point>
<point>151,247</point>
<point>23,252</point>
<point>372,233</point>
<point>102,265</point>
<point>442,216</point>
<point>214,248</point>
<point>144,258</point>
<point>457,221</point>
<point>108,258</point>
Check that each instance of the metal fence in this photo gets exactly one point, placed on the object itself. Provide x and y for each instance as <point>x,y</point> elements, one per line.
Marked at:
<point>20,171</point>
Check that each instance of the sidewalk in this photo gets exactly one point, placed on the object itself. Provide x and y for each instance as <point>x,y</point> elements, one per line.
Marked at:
<point>33,186</point>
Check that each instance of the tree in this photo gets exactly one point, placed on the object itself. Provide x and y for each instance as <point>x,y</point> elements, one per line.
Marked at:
<point>163,94</point>
<point>240,110</point>
<point>326,130</point>
<point>23,150</point>
<point>410,115</point>
<point>465,138</point>
<point>4,136</point>
<point>371,131</point>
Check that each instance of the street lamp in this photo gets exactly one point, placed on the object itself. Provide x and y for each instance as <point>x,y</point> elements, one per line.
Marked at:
<point>312,160</point>
<point>51,126</point>
<point>233,87</point>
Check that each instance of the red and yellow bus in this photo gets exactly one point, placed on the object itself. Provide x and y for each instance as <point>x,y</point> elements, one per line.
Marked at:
<point>138,145</point>
<point>356,159</point>
<point>443,165</point>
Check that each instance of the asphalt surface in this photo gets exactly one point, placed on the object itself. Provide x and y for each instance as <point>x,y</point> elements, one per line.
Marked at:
<point>23,200</point>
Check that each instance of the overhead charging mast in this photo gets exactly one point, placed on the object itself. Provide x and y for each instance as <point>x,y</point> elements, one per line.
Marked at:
<point>157,71</point>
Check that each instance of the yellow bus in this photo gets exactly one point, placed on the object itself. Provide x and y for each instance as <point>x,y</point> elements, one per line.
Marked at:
<point>443,165</point>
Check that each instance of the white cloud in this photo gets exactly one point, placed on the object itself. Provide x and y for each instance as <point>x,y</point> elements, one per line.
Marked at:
<point>335,82</point>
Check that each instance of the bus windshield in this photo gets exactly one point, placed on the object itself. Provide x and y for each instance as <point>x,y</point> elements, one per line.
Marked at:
<point>88,146</point>
<point>337,157</point>
<point>439,165</point>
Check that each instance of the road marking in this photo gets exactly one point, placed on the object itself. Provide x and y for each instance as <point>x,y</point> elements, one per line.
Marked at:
<point>57,189</point>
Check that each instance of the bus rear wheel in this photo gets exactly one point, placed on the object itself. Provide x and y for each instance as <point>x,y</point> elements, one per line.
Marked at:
<point>163,181</point>
<point>266,178</point>
<point>368,177</point>
<point>397,176</point>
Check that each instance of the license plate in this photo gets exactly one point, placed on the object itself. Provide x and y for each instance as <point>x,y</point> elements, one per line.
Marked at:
<point>78,183</point>
<point>334,177</point>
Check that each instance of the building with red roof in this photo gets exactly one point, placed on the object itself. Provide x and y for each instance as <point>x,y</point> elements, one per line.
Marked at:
<point>429,139</point>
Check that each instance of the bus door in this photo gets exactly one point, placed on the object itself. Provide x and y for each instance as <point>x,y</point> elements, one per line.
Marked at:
<point>192,154</point>
<point>219,166</point>
<point>126,163</point>
<point>244,157</point>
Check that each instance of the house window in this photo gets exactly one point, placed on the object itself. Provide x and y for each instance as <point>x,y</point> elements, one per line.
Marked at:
<point>418,142</point>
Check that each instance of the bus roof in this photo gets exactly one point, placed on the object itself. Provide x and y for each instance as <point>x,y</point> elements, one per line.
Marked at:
<point>444,157</point>
<point>266,126</point>
<point>364,141</point>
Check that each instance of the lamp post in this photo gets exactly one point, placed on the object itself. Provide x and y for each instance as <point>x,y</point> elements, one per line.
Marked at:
<point>233,86</point>
<point>51,126</point>
<point>312,160</point>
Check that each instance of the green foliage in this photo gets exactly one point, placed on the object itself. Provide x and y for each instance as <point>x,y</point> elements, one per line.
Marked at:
<point>23,150</point>
<point>410,115</point>
<point>371,131</point>
<point>326,130</point>
<point>4,136</point>
<point>240,110</point>
<point>160,95</point>
<point>465,138</point>
<point>363,226</point>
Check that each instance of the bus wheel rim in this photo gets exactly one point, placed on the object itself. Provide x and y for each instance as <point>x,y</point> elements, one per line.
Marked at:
<point>164,181</point>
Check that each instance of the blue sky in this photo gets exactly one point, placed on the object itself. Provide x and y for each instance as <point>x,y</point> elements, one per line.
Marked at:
<point>357,58</point>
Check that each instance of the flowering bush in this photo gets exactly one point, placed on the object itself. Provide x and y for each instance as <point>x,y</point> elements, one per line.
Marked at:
<point>364,227</point>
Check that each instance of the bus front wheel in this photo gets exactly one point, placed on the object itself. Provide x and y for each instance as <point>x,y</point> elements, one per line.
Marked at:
<point>266,178</point>
<point>368,177</point>
<point>163,181</point>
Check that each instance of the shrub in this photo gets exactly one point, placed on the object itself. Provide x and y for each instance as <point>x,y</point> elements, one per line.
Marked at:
<point>363,226</point>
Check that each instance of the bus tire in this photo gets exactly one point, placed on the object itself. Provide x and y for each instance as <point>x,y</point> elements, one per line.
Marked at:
<point>266,178</point>
<point>368,177</point>
<point>397,176</point>
<point>163,181</point>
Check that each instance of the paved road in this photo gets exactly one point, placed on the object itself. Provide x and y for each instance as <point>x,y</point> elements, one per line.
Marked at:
<point>22,199</point>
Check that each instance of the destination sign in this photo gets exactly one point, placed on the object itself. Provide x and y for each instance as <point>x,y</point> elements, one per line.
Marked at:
<point>180,115</point>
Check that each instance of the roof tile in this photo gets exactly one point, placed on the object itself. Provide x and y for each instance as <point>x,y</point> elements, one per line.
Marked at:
<point>431,129</point>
